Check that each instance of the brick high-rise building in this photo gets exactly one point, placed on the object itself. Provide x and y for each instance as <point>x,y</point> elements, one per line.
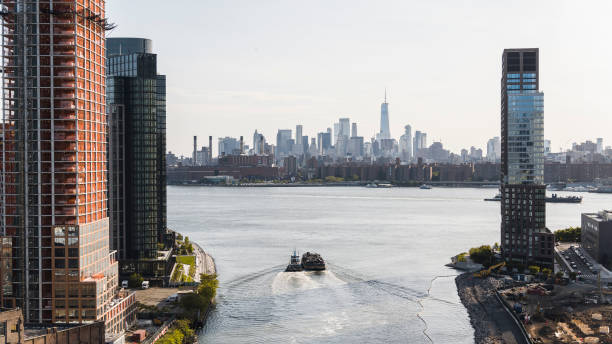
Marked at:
<point>54,212</point>
<point>525,240</point>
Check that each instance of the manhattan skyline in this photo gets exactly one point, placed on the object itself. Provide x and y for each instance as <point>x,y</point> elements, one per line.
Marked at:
<point>334,60</point>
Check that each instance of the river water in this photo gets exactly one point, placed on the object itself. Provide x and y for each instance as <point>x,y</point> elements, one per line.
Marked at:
<point>386,248</point>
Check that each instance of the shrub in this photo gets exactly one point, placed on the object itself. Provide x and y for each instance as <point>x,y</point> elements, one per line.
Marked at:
<point>534,269</point>
<point>135,280</point>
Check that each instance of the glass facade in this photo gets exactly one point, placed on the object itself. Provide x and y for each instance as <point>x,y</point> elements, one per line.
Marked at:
<point>138,150</point>
<point>525,138</point>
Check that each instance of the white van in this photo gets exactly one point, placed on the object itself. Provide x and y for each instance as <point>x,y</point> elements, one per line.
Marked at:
<point>124,284</point>
<point>145,284</point>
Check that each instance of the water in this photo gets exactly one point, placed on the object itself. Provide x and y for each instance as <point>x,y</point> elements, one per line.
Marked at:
<point>384,247</point>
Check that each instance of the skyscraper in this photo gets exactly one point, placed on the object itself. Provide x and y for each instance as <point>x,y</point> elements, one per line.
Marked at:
<point>354,129</point>
<point>524,237</point>
<point>54,170</point>
<point>282,143</point>
<point>299,140</point>
<point>345,127</point>
<point>133,83</point>
<point>493,149</point>
<point>405,144</point>
<point>385,133</point>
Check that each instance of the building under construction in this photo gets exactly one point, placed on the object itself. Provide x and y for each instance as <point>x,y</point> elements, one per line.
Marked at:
<point>54,169</point>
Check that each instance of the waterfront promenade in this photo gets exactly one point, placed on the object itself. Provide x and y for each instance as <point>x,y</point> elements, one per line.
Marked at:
<point>205,264</point>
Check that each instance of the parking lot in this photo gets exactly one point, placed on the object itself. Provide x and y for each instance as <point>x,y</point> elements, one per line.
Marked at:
<point>578,261</point>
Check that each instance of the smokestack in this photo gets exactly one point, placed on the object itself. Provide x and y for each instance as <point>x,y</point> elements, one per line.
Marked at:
<point>195,150</point>
<point>210,149</point>
<point>241,145</point>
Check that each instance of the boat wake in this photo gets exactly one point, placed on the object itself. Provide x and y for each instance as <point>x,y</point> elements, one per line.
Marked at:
<point>288,282</point>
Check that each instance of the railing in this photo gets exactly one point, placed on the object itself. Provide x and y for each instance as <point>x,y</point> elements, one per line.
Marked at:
<point>516,319</point>
<point>159,332</point>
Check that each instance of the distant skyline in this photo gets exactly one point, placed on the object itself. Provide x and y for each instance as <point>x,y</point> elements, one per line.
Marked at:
<point>236,66</point>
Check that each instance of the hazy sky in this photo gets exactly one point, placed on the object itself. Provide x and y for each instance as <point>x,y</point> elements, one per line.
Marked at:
<point>236,66</point>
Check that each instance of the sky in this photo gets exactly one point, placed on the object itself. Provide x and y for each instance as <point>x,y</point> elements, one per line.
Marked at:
<point>234,66</point>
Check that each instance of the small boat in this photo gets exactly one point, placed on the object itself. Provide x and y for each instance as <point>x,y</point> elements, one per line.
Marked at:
<point>379,185</point>
<point>294,263</point>
<point>312,262</point>
<point>425,187</point>
<point>496,198</point>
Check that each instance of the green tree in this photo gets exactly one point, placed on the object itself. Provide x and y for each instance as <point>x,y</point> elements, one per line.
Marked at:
<point>571,234</point>
<point>547,272</point>
<point>208,286</point>
<point>135,280</point>
<point>573,275</point>
<point>534,269</point>
<point>482,255</point>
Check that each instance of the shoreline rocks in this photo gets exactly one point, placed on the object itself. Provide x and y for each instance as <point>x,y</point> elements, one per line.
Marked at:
<point>478,297</point>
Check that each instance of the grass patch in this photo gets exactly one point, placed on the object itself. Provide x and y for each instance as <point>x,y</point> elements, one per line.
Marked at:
<point>189,260</point>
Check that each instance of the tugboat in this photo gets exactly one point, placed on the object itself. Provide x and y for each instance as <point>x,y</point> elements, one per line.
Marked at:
<point>312,262</point>
<point>554,199</point>
<point>569,199</point>
<point>294,263</point>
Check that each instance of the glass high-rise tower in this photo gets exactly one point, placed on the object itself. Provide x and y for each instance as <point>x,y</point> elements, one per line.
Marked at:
<point>525,239</point>
<point>136,97</point>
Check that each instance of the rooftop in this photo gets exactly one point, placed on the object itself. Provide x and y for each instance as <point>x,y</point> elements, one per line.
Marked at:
<point>602,216</point>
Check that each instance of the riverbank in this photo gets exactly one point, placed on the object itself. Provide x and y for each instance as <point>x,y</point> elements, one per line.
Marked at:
<point>491,322</point>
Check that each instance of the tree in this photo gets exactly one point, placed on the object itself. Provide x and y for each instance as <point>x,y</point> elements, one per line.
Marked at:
<point>571,234</point>
<point>482,255</point>
<point>208,286</point>
<point>573,275</point>
<point>547,272</point>
<point>496,247</point>
<point>135,280</point>
<point>534,269</point>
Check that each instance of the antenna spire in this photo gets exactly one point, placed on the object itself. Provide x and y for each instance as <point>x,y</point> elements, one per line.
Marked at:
<point>385,94</point>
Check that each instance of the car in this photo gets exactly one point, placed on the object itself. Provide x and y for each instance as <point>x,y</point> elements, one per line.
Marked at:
<point>124,284</point>
<point>145,285</point>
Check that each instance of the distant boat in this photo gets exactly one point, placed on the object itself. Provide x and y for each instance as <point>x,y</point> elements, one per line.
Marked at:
<point>496,198</point>
<point>602,189</point>
<point>379,185</point>
<point>425,187</point>
<point>554,199</point>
